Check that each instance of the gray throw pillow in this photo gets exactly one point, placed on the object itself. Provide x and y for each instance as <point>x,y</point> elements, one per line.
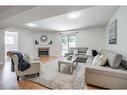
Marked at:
<point>114,59</point>
<point>124,64</point>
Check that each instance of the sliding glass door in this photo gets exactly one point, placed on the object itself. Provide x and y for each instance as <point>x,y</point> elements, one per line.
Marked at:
<point>68,41</point>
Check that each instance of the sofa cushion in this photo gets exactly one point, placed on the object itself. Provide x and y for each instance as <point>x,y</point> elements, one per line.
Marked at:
<point>81,58</point>
<point>82,50</point>
<point>114,59</point>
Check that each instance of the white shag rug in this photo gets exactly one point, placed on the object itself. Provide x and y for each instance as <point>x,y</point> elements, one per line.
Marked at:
<point>50,77</point>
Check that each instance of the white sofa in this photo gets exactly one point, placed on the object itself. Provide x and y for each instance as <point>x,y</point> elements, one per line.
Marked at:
<point>111,77</point>
<point>34,66</point>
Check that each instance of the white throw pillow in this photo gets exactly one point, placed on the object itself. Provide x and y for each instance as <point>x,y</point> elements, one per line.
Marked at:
<point>89,52</point>
<point>99,60</point>
<point>96,59</point>
<point>75,51</point>
<point>102,60</point>
<point>27,58</point>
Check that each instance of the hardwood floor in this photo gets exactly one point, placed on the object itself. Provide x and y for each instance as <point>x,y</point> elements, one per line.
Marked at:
<point>8,78</point>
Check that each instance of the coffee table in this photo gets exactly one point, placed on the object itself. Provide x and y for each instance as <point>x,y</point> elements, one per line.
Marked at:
<point>65,61</point>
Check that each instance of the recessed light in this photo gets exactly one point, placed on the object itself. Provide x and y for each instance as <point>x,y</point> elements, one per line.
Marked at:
<point>43,38</point>
<point>31,25</point>
<point>74,15</point>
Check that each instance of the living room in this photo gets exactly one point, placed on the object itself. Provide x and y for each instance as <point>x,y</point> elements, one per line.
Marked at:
<point>43,37</point>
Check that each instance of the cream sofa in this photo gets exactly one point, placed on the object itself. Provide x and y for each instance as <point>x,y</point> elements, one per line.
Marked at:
<point>111,77</point>
<point>34,66</point>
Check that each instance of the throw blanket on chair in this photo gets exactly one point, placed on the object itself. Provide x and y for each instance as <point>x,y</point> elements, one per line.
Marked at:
<point>12,62</point>
<point>22,64</point>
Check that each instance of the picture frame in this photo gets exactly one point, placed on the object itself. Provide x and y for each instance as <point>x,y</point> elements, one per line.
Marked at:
<point>112,32</point>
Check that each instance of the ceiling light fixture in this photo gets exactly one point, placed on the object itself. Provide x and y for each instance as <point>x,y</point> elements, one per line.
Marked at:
<point>74,15</point>
<point>31,25</point>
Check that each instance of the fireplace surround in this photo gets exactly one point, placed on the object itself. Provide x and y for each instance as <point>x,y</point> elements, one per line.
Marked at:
<point>43,52</point>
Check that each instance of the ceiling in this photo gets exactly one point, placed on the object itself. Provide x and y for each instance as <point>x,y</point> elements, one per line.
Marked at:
<point>19,15</point>
<point>9,11</point>
<point>55,18</point>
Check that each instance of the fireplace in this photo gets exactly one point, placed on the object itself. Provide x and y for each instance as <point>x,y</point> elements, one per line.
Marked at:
<point>43,52</point>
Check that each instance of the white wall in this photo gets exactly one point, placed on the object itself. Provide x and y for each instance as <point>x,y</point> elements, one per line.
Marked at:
<point>50,36</point>
<point>91,38</point>
<point>26,41</point>
<point>1,47</point>
<point>57,44</point>
<point>121,46</point>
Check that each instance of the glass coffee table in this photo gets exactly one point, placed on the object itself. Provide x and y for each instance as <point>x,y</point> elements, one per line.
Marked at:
<point>67,61</point>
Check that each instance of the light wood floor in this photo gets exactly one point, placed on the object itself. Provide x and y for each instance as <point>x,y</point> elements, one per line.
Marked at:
<point>8,78</point>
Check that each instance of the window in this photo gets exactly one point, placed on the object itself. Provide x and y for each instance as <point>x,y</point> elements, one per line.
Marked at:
<point>9,40</point>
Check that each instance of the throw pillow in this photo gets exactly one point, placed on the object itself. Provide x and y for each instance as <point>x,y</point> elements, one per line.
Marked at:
<point>96,59</point>
<point>124,64</point>
<point>89,52</point>
<point>75,51</point>
<point>114,59</point>
<point>27,58</point>
<point>94,52</point>
<point>99,60</point>
<point>102,60</point>
<point>71,51</point>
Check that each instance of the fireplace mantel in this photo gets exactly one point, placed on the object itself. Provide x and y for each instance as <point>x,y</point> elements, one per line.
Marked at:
<point>43,45</point>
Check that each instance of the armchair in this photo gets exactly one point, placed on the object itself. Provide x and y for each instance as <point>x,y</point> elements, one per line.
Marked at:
<point>34,66</point>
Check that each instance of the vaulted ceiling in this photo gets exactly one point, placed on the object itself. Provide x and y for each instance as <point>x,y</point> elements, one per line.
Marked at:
<point>55,18</point>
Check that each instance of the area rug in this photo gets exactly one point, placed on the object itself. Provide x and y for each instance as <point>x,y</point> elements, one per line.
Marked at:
<point>50,77</point>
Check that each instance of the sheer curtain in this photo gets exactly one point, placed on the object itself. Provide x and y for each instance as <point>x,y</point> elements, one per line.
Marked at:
<point>68,41</point>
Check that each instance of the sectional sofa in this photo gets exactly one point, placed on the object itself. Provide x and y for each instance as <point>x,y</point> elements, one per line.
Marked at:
<point>111,76</point>
<point>80,53</point>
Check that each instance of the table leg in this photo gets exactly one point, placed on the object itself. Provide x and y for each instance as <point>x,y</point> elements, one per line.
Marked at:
<point>71,68</point>
<point>76,64</point>
<point>59,67</point>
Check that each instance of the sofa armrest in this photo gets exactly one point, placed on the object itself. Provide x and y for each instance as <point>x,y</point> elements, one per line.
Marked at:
<point>67,54</point>
<point>34,68</point>
<point>35,64</point>
<point>106,78</point>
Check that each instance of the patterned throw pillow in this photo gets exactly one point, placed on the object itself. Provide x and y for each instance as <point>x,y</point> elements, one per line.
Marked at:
<point>99,60</point>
